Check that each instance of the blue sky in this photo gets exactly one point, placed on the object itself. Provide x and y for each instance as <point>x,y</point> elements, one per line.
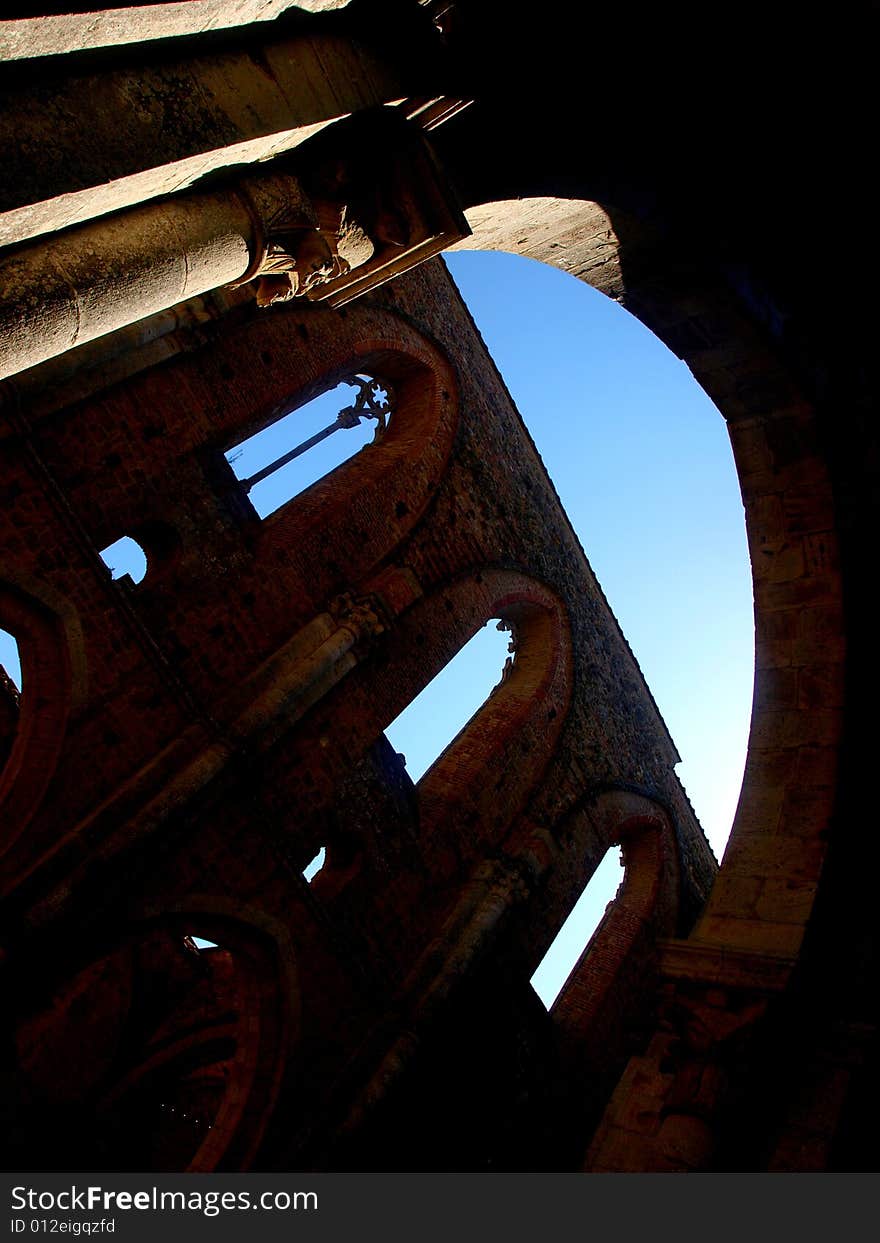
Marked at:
<point>641,460</point>
<point>642,463</point>
<point>259,451</point>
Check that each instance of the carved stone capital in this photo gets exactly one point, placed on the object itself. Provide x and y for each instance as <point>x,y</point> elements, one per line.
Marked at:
<point>708,1020</point>
<point>362,615</point>
<point>364,200</point>
<point>291,253</point>
<point>708,1029</point>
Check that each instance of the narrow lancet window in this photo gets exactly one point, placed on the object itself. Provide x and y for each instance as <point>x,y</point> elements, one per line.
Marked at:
<point>10,693</point>
<point>436,716</point>
<point>283,459</point>
<point>10,664</point>
<point>313,868</point>
<point>577,931</point>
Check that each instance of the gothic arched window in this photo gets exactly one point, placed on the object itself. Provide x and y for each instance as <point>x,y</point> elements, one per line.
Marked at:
<point>303,445</point>
<point>439,712</point>
<point>573,939</point>
<point>10,692</point>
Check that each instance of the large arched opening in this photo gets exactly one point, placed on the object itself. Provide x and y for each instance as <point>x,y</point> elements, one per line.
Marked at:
<point>773,859</point>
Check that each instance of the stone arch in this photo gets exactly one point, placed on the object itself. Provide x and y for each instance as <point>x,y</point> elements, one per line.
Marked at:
<point>353,517</point>
<point>268,1031</point>
<point>765,890</point>
<point>455,815</point>
<point>622,951</point>
<point>609,1001</point>
<point>155,1025</point>
<point>52,677</point>
<point>514,731</point>
<point>336,530</point>
<point>332,534</point>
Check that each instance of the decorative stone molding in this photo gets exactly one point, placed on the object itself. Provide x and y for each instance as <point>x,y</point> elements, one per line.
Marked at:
<point>363,616</point>
<point>290,255</point>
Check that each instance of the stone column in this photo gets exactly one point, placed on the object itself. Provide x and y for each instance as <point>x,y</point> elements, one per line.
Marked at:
<point>91,280</point>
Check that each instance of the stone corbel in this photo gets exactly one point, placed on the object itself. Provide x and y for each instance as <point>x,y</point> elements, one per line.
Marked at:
<point>706,1030</point>
<point>302,242</point>
<point>363,616</point>
<point>291,254</point>
<point>383,202</point>
<point>367,202</point>
<point>670,1100</point>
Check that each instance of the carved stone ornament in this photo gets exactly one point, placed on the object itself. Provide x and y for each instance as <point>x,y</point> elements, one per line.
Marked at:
<point>362,615</point>
<point>292,254</point>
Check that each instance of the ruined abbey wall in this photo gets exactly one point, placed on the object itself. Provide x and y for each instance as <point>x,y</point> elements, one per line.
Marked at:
<point>184,745</point>
<point>210,728</point>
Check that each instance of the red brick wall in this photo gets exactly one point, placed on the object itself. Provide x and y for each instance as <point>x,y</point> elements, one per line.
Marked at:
<point>223,719</point>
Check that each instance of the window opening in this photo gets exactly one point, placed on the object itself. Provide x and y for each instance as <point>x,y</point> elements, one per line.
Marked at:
<point>579,928</point>
<point>10,693</point>
<point>154,1093</point>
<point>271,474</point>
<point>439,712</point>
<point>312,870</point>
<point>125,556</point>
<point>10,661</point>
<point>624,429</point>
